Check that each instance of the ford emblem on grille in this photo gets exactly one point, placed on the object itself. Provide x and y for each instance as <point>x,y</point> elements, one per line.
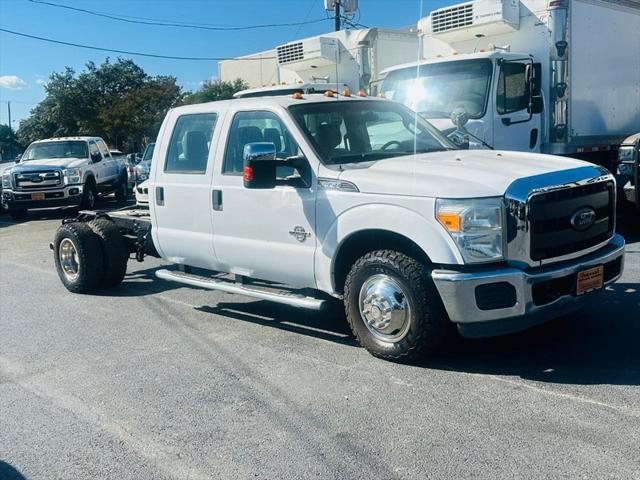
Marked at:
<point>583,218</point>
<point>35,178</point>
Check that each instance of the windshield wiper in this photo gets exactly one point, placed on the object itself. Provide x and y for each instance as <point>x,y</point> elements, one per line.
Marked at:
<point>361,157</point>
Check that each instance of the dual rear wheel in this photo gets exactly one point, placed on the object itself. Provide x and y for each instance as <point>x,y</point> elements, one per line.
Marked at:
<point>90,255</point>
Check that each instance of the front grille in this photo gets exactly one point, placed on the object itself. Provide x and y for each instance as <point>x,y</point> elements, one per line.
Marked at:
<point>38,180</point>
<point>551,232</point>
<point>290,52</point>
<point>451,18</point>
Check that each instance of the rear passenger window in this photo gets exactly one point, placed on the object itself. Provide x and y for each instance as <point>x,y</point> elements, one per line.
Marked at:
<point>258,126</point>
<point>190,143</point>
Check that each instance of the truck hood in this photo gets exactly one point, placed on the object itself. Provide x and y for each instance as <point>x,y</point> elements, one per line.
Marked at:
<point>452,174</point>
<point>52,163</point>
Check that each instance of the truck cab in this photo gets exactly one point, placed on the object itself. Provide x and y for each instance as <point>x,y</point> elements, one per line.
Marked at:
<point>499,92</point>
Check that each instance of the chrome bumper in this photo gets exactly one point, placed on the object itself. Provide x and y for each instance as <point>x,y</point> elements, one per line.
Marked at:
<point>458,292</point>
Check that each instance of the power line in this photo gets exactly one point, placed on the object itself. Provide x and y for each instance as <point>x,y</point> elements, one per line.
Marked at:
<point>163,23</point>
<point>126,52</point>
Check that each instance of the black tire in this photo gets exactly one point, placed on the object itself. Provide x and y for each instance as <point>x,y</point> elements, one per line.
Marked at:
<point>122,192</point>
<point>90,261</point>
<point>114,251</point>
<point>89,195</point>
<point>426,322</point>
<point>19,214</point>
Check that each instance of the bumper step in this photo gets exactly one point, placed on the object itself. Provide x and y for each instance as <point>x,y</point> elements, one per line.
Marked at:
<point>286,297</point>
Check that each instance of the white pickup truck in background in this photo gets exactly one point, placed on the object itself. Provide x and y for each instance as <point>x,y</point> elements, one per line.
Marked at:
<point>61,172</point>
<point>305,200</point>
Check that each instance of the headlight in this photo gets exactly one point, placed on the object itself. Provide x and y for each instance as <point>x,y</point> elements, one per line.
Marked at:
<point>74,175</point>
<point>625,154</point>
<point>475,225</point>
<point>141,175</point>
<point>6,180</point>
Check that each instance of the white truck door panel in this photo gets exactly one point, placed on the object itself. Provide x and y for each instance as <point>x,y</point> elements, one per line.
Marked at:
<point>514,128</point>
<point>109,165</point>
<point>268,233</point>
<point>98,167</point>
<point>181,191</point>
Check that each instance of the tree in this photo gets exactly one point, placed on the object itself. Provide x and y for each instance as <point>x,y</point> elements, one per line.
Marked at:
<point>9,145</point>
<point>213,90</point>
<point>117,101</point>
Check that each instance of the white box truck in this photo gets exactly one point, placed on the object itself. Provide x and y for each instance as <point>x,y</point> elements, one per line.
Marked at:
<point>348,58</point>
<point>559,77</point>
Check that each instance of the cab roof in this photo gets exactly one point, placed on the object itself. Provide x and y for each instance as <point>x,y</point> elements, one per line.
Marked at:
<point>284,101</point>
<point>65,139</point>
<point>457,57</point>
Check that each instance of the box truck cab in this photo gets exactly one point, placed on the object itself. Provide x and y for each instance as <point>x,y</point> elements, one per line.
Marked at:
<point>554,77</point>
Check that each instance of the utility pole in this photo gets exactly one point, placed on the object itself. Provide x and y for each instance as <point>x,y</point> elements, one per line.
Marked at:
<point>10,131</point>
<point>337,17</point>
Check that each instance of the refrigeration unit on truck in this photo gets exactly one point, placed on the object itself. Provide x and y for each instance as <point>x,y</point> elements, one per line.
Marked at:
<point>559,77</point>
<point>350,59</point>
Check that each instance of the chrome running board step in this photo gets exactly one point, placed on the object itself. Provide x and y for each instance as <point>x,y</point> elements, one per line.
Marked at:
<point>285,297</point>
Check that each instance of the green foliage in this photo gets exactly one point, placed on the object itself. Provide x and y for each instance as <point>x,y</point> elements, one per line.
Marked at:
<point>213,90</point>
<point>9,145</point>
<point>117,101</point>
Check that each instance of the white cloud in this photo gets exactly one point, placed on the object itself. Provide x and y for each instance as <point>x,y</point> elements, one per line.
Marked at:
<point>12,82</point>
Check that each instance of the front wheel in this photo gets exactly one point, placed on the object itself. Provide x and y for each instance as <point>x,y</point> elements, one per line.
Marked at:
<point>89,196</point>
<point>392,308</point>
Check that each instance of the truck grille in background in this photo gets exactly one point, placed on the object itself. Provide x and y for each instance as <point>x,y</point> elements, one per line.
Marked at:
<point>450,18</point>
<point>551,233</point>
<point>38,180</point>
<point>290,52</point>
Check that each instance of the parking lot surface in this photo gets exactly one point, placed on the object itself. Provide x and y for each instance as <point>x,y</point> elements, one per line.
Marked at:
<point>151,380</point>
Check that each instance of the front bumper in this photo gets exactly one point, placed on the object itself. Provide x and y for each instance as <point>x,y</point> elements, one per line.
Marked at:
<point>70,195</point>
<point>505,300</point>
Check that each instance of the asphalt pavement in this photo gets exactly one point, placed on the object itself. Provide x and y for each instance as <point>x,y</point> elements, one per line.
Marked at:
<point>151,380</point>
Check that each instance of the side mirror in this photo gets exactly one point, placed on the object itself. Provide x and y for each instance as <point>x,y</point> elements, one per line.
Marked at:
<point>459,139</point>
<point>96,157</point>
<point>459,118</point>
<point>17,159</point>
<point>259,165</point>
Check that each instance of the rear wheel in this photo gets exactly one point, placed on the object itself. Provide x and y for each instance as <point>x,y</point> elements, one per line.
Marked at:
<point>114,251</point>
<point>89,196</point>
<point>18,214</point>
<point>78,257</point>
<point>392,308</point>
<point>122,192</point>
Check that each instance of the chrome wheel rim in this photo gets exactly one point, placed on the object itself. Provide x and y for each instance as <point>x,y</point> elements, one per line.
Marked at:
<point>69,259</point>
<point>384,308</point>
<point>91,199</point>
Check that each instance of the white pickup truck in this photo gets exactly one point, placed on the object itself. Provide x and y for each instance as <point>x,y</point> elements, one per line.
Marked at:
<point>57,172</point>
<point>305,199</point>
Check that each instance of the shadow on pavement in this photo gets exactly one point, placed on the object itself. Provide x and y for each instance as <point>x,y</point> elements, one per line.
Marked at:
<point>329,324</point>
<point>597,346</point>
<point>7,472</point>
<point>139,283</point>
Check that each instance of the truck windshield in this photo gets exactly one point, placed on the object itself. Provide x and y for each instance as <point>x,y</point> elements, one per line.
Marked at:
<point>66,149</point>
<point>351,131</point>
<point>148,152</point>
<point>436,89</point>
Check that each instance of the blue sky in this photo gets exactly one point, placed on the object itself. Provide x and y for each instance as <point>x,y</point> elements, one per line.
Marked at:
<point>25,64</point>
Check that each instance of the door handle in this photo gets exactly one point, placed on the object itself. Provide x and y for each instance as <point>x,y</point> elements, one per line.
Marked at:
<point>216,199</point>
<point>160,196</point>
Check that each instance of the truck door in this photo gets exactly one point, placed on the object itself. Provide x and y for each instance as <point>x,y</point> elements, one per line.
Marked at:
<point>97,163</point>
<point>180,191</point>
<point>109,164</point>
<point>514,127</point>
<point>269,233</point>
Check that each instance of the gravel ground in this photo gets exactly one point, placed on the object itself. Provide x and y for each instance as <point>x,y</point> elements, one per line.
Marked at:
<point>154,381</point>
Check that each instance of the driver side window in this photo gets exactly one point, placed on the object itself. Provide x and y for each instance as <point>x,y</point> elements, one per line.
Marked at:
<point>94,153</point>
<point>257,126</point>
<point>513,89</point>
